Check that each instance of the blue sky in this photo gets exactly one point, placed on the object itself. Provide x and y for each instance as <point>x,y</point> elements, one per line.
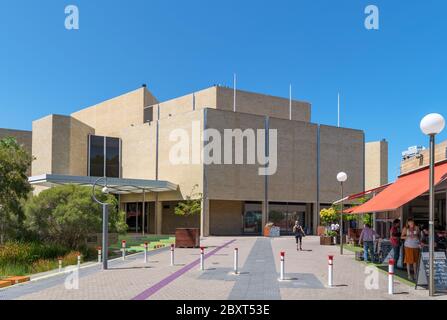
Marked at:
<point>389,79</point>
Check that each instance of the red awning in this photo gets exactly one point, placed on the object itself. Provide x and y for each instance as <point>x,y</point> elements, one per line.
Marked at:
<point>405,189</point>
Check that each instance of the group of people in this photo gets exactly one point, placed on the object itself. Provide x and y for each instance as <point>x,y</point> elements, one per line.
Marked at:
<point>410,236</point>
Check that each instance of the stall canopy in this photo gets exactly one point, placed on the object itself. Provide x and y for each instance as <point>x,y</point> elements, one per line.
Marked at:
<point>405,189</point>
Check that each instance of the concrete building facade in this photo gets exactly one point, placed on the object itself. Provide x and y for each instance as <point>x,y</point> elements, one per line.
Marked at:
<point>135,131</point>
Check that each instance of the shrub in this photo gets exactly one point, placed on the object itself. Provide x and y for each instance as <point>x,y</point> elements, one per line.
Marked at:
<point>67,215</point>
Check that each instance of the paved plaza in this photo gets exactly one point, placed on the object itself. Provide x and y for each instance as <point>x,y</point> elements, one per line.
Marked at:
<point>259,265</point>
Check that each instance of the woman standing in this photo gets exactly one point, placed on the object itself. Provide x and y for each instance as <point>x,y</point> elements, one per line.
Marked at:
<point>299,234</point>
<point>411,235</point>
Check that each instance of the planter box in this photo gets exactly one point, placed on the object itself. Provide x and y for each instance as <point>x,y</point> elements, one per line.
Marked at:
<point>326,241</point>
<point>5,283</point>
<point>187,238</point>
<point>18,279</point>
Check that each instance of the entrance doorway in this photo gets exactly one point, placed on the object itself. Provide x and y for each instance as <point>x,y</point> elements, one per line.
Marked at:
<point>252,218</point>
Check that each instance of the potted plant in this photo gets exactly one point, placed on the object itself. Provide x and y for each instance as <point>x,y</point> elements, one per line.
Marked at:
<point>327,216</point>
<point>192,205</point>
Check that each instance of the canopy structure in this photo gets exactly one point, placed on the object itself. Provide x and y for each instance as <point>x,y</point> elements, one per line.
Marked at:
<point>405,189</point>
<point>362,194</point>
<point>115,185</point>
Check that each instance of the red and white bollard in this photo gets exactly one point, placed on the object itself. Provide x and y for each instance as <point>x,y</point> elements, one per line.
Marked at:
<point>281,267</point>
<point>391,276</point>
<point>60,264</point>
<point>202,258</point>
<point>99,255</point>
<point>123,249</point>
<point>79,261</point>
<point>145,252</point>
<point>172,255</point>
<point>330,278</point>
<point>236,261</point>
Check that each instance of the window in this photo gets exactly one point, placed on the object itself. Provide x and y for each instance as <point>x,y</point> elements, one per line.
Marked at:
<point>148,114</point>
<point>104,156</point>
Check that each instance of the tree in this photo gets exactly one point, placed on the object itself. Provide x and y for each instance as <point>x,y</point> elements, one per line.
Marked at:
<point>14,187</point>
<point>192,205</point>
<point>328,215</point>
<point>67,215</point>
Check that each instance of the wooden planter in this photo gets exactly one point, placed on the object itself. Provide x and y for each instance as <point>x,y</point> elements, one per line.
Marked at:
<point>326,241</point>
<point>187,238</point>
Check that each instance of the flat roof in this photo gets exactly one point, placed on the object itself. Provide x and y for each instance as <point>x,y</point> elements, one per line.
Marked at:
<point>116,185</point>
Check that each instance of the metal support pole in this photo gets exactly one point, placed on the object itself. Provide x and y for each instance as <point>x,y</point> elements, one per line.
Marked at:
<point>105,235</point>
<point>281,274</point>
<point>236,261</point>
<point>330,278</point>
<point>60,265</point>
<point>341,220</point>
<point>79,261</point>
<point>431,231</point>
<point>172,255</point>
<point>391,276</point>
<point>99,254</point>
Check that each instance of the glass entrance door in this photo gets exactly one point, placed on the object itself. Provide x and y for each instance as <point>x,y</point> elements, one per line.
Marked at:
<point>252,218</point>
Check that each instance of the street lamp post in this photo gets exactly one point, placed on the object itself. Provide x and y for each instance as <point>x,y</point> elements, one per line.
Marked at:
<point>431,125</point>
<point>105,222</point>
<point>341,177</point>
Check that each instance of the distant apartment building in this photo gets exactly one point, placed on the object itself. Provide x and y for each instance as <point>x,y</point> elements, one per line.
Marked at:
<point>128,139</point>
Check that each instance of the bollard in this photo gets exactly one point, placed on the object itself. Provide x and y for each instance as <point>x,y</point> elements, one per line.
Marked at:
<point>99,255</point>
<point>145,252</point>
<point>281,275</point>
<point>391,276</point>
<point>60,264</point>
<point>236,260</point>
<point>330,278</point>
<point>172,254</point>
<point>79,261</point>
<point>202,260</point>
<point>123,246</point>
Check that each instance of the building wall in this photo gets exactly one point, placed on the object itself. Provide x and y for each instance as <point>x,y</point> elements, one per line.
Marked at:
<point>226,217</point>
<point>341,149</point>
<point>261,104</point>
<point>23,137</point>
<point>110,117</point>
<point>376,164</point>
<point>424,158</point>
<point>60,146</point>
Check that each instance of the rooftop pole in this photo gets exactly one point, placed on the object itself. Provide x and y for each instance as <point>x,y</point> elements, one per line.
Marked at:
<point>234,93</point>
<point>290,102</point>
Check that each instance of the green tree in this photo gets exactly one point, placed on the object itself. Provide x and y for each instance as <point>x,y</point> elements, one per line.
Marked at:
<point>328,215</point>
<point>192,205</point>
<point>67,215</point>
<point>14,187</point>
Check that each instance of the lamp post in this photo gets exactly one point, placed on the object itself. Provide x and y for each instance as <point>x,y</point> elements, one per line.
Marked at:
<point>105,221</point>
<point>341,177</point>
<point>431,125</point>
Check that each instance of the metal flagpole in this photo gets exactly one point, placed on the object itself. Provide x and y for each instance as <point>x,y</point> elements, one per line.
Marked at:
<point>234,93</point>
<point>290,102</point>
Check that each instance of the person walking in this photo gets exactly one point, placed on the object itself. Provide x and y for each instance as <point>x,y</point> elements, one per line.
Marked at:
<point>367,239</point>
<point>395,235</point>
<point>298,231</point>
<point>411,235</point>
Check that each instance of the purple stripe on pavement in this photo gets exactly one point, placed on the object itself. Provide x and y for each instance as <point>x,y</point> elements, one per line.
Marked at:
<point>156,287</point>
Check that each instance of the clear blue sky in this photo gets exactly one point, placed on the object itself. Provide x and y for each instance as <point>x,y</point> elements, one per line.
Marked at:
<point>389,79</point>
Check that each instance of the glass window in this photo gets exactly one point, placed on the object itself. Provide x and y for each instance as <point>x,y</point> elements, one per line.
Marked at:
<point>96,156</point>
<point>113,157</point>
<point>148,114</point>
<point>96,160</point>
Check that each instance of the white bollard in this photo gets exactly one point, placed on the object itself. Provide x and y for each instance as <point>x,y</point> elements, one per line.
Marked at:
<point>202,258</point>
<point>236,260</point>
<point>391,276</point>
<point>99,255</point>
<point>79,261</point>
<point>145,252</point>
<point>281,275</point>
<point>172,255</point>
<point>330,278</point>
<point>60,264</point>
<point>123,248</point>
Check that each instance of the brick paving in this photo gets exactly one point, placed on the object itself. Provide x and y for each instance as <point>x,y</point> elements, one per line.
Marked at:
<point>258,278</point>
